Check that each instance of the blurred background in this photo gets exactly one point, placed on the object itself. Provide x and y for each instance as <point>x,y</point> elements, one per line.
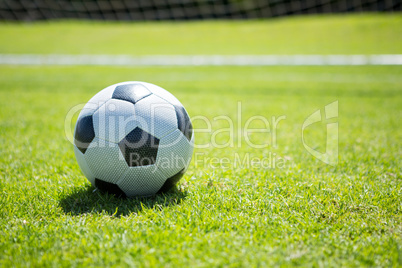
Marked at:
<point>126,10</point>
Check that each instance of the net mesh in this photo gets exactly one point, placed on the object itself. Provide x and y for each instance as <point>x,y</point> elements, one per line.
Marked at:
<point>30,10</point>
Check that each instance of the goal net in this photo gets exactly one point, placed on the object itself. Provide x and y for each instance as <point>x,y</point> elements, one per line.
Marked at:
<point>139,10</point>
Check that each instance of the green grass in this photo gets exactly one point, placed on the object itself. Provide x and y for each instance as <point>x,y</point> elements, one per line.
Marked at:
<point>341,34</point>
<point>302,213</point>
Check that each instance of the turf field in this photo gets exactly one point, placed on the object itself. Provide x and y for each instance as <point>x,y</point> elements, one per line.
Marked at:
<point>338,34</point>
<point>296,211</point>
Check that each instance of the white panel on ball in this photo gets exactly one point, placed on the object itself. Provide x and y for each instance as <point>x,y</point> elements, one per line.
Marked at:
<point>105,160</point>
<point>141,181</point>
<point>156,116</point>
<point>96,101</point>
<point>174,153</point>
<point>82,163</point>
<point>164,94</point>
<point>114,120</point>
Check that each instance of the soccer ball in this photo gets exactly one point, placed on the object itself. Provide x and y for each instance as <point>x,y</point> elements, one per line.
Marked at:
<point>133,139</point>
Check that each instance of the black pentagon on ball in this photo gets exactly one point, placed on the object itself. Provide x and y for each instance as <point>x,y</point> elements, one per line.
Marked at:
<point>110,188</point>
<point>139,148</point>
<point>84,133</point>
<point>183,122</point>
<point>170,182</point>
<point>131,92</point>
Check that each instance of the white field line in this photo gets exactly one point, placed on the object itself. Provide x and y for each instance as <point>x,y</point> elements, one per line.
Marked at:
<point>200,60</point>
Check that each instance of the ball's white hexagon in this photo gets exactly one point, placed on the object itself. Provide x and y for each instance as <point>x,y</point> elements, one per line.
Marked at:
<point>82,163</point>
<point>142,181</point>
<point>174,153</point>
<point>114,120</point>
<point>98,100</point>
<point>156,116</point>
<point>162,93</point>
<point>105,160</point>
